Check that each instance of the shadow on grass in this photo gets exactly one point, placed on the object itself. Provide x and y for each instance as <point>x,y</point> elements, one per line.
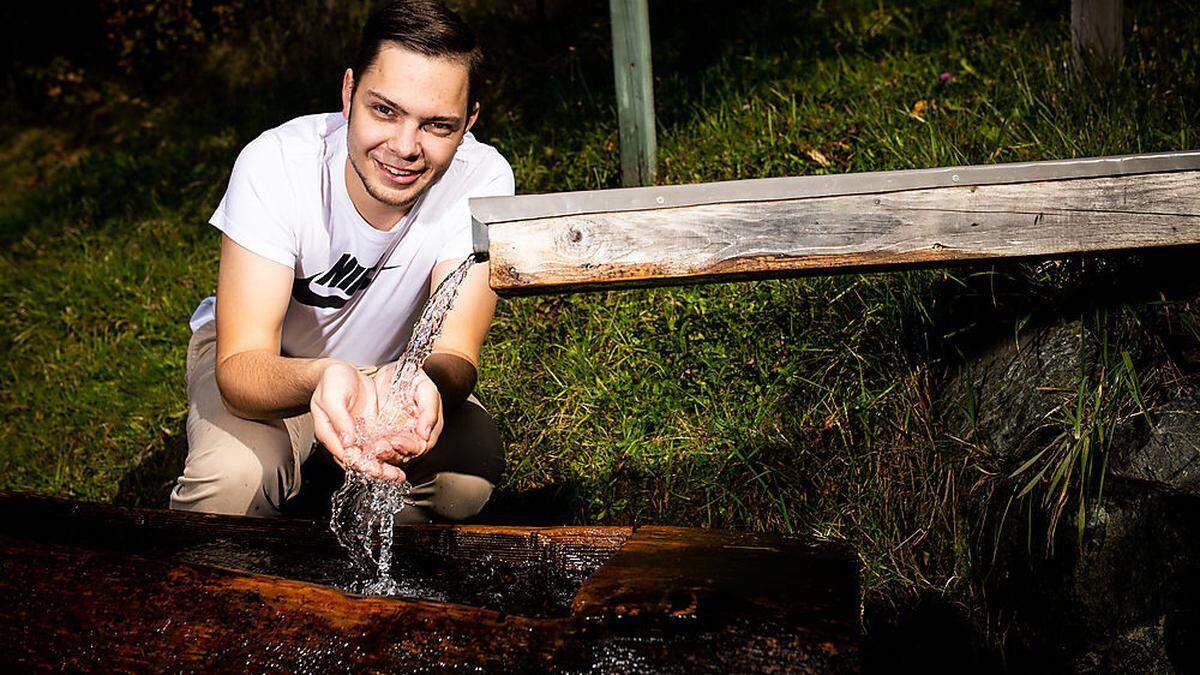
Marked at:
<point>148,485</point>
<point>554,504</point>
<point>170,134</point>
<point>926,632</point>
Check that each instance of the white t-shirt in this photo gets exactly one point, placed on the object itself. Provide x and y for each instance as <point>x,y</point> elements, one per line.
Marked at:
<point>287,201</point>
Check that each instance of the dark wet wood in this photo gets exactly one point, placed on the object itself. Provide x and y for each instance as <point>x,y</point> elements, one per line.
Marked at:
<point>530,570</point>
<point>92,587</point>
<point>74,609</point>
<point>764,599</point>
<point>172,533</point>
<point>682,574</point>
<point>927,227</point>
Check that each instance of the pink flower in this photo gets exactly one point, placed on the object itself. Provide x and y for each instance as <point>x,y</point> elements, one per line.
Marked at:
<point>946,77</point>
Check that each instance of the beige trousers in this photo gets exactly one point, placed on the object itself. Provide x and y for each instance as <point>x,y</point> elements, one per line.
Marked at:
<point>251,467</point>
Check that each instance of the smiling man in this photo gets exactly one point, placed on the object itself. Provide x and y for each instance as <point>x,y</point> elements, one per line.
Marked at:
<point>335,229</point>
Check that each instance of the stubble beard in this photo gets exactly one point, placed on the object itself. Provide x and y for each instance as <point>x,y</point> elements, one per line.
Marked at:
<point>377,195</point>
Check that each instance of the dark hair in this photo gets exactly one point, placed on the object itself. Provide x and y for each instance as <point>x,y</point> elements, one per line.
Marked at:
<point>424,26</point>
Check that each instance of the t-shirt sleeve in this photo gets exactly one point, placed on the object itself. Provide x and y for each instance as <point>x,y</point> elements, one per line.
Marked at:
<point>499,183</point>
<point>253,210</point>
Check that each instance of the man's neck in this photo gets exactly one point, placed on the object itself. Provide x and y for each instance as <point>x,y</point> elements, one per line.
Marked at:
<point>378,215</point>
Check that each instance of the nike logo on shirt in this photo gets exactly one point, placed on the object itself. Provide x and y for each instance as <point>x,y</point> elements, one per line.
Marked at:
<point>333,288</point>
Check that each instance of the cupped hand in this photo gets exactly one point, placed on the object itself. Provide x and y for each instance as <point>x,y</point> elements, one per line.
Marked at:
<point>428,402</point>
<point>343,395</point>
<point>419,424</point>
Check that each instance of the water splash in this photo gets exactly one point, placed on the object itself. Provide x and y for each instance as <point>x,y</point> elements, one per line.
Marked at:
<point>365,507</point>
<point>363,520</point>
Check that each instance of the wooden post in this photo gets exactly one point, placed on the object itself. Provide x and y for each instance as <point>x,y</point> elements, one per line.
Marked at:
<point>635,90</point>
<point>1096,37</point>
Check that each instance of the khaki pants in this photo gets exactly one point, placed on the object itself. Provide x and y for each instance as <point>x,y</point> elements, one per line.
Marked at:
<point>251,467</point>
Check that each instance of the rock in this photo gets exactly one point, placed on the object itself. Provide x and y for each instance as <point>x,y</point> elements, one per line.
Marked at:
<point>1170,459</point>
<point>1122,601</point>
<point>1136,571</point>
<point>1141,649</point>
<point>999,401</point>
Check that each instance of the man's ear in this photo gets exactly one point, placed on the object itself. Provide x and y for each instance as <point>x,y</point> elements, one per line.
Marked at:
<point>471,119</point>
<point>347,92</point>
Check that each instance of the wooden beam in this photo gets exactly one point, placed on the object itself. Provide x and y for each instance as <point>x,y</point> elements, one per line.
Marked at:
<point>82,610</point>
<point>786,227</point>
<point>635,90</point>
<point>1097,38</point>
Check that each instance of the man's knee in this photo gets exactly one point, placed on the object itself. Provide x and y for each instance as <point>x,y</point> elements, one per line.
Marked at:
<point>234,482</point>
<point>452,496</point>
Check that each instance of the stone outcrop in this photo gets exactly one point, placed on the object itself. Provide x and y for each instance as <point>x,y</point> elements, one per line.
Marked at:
<point>1121,597</point>
<point>999,401</point>
<point>1170,459</point>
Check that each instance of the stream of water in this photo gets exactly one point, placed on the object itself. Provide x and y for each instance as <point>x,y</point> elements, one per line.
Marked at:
<point>365,507</point>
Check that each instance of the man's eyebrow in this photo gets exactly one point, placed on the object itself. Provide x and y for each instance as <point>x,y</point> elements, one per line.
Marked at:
<point>450,119</point>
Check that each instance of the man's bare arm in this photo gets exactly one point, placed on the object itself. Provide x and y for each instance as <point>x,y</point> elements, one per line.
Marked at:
<point>453,365</point>
<point>454,376</point>
<point>256,382</point>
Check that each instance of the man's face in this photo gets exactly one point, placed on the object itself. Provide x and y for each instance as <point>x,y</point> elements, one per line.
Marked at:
<point>406,120</point>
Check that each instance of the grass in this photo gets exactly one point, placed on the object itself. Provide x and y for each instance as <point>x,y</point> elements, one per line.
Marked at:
<point>1106,397</point>
<point>804,406</point>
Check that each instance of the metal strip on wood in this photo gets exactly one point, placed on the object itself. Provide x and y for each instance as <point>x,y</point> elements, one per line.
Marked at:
<point>492,210</point>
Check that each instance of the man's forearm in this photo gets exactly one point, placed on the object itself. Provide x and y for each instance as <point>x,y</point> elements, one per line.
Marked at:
<point>265,385</point>
<point>454,376</point>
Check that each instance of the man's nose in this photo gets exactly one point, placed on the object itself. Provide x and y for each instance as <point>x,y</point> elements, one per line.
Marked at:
<point>405,142</point>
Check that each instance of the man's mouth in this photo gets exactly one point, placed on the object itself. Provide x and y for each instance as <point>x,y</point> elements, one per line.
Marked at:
<point>399,176</point>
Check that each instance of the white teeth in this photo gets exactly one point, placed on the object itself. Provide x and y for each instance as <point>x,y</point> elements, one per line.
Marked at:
<point>397,172</point>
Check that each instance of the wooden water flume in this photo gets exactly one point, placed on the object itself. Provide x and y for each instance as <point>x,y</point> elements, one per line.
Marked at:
<point>778,227</point>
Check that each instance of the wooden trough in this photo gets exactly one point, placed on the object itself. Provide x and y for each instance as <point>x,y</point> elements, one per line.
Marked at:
<point>88,587</point>
<point>778,227</point>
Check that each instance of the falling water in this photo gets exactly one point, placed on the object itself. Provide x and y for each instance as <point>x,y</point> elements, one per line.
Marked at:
<point>364,511</point>
<point>365,507</point>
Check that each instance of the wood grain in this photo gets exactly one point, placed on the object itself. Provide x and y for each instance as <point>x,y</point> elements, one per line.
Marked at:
<point>924,227</point>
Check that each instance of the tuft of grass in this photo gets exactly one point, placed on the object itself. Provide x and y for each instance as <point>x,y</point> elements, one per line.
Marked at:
<point>1108,395</point>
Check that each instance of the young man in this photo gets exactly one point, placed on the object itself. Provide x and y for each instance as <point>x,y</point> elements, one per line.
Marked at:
<point>336,228</point>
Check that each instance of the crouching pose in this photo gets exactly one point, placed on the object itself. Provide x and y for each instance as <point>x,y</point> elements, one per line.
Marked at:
<point>335,229</point>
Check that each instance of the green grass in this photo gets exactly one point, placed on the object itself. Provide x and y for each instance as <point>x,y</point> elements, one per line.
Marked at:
<point>802,406</point>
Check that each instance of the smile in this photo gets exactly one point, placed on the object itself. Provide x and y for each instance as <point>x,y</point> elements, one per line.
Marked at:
<point>401,176</point>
